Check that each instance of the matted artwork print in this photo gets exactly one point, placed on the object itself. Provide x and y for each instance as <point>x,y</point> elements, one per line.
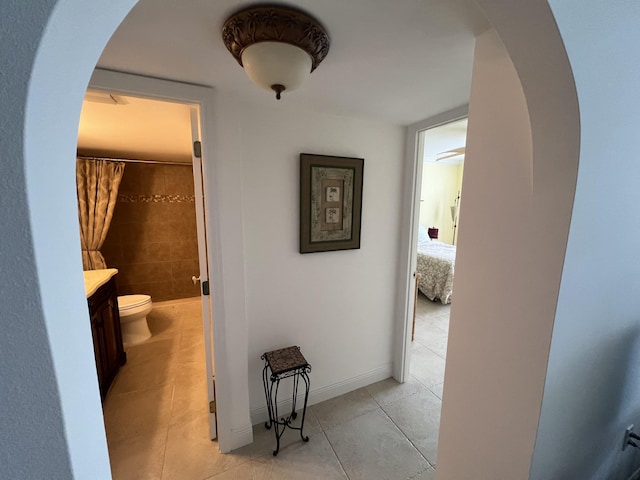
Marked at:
<point>330,202</point>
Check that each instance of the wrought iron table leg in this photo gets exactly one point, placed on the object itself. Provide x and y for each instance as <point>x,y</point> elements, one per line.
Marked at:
<point>267,393</point>
<point>277,422</point>
<point>307,383</point>
<point>271,384</point>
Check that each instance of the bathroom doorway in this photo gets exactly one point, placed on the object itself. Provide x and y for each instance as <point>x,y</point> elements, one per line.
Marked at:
<point>186,274</point>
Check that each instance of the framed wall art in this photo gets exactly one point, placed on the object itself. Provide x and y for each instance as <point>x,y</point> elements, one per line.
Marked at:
<point>330,203</point>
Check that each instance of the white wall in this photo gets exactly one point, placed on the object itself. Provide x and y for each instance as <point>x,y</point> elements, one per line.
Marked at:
<point>337,306</point>
<point>51,419</point>
<point>507,272</point>
<point>24,345</point>
<point>592,391</point>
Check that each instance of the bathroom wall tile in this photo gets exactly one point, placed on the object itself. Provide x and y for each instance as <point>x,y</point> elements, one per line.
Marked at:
<point>112,254</point>
<point>185,288</point>
<point>178,227</point>
<point>147,272</point>
<point>159,291</point>
<point>157,212</point>
<point>181,273</point>
<point>184,249</point>
<point>114,234</point>
<point>116,221</point>
<point>153,183</point>
<point>178,170</point>
<point>155,223</point>
<point>142,233</point>
<point>130,183</point>
<point>181,269</point>
<point>151,252</point>
<point>182,184</point>
<point>131,212</point>
<point>183,210</point>
<point>136,170</point>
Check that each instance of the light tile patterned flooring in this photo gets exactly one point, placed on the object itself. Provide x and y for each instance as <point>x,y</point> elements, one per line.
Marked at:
<point>157,428</point>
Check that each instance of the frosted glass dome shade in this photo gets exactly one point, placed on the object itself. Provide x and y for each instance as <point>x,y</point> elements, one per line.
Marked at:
<point>270,64</point>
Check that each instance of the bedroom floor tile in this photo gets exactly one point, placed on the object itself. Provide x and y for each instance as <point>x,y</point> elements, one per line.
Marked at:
<point>439,321</point>
<point>313,459</point>
<point>437,389</point>
<point>388,391</point>
<point>341,409</point>
<point>427,366</point>
<point>371,447</point>
<point>426,306</point>
<point>422,430</point>
<point>428,474</point>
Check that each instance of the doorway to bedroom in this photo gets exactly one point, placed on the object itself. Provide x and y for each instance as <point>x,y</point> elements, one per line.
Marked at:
<point>440,162</point>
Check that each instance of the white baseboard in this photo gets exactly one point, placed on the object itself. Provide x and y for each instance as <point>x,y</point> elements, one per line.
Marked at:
<point>241,436</point>
<point>260,415</point>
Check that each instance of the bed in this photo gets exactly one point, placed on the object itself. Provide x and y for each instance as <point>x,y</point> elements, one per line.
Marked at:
<point>436,265</point>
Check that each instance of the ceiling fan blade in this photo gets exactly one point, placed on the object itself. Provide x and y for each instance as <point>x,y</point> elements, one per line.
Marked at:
<point>454,152</point>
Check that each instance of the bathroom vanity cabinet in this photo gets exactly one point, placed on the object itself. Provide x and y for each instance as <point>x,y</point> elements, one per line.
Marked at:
<point>107,336</point>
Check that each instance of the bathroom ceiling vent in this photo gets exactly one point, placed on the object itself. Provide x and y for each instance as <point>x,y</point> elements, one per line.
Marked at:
<point>105,97</point>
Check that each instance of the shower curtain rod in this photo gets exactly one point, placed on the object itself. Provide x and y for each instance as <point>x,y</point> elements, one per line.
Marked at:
<point>132,160</point>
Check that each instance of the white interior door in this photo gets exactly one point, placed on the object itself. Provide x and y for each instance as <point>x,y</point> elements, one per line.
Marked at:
<point>207,320</point>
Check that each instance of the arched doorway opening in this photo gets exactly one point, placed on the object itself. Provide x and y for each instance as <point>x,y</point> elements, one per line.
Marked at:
<point>50,132</point>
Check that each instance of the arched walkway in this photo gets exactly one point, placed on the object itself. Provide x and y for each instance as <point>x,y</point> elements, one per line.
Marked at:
<point>72,41</point>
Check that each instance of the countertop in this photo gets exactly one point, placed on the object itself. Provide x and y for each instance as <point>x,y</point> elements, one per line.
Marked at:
<point>94,279</point>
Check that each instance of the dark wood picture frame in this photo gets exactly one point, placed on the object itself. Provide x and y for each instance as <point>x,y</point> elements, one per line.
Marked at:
<point>330,203</point>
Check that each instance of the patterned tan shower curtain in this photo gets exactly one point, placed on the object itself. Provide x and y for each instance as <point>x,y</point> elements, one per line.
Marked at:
<point>98,182</point>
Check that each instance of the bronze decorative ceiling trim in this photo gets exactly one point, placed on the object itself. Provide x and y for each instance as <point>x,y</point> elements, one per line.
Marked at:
<point>275,23</point>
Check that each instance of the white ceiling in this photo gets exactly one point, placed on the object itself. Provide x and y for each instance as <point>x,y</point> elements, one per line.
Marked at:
<point>137,129</point>
<point>398,61</point>
<point>445,138</point>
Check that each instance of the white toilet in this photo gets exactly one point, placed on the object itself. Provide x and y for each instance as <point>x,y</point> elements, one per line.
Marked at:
<point>133,318</point>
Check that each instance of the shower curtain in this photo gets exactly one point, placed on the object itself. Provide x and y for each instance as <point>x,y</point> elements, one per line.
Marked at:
<point>97,182</point>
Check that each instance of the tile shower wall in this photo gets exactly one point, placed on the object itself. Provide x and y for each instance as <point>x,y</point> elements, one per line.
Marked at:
<point>152,240</point>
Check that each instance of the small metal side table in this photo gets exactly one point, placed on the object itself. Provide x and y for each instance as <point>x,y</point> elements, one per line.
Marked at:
<point>284,363</point>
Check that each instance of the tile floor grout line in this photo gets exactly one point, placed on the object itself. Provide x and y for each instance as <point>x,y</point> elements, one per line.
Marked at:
<point>335,453</point>
<point>173,397</point>
<point>408,439</point>
<point>324,433</point>
<point>166,437</point>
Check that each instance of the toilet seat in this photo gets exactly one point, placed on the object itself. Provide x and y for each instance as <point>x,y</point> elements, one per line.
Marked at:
<point>129,302</point>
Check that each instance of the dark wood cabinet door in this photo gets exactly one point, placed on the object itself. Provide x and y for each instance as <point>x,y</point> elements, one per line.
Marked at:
<point>96,332</point>
<point>107,336</point>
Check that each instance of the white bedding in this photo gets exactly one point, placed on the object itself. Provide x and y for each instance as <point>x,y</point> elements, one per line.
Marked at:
<point>436,265</point>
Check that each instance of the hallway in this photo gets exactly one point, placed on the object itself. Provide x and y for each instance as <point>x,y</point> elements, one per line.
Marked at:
<point>157,425</point>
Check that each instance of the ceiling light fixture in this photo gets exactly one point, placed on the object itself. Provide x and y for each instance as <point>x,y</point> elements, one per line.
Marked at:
<point>277,46</point>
